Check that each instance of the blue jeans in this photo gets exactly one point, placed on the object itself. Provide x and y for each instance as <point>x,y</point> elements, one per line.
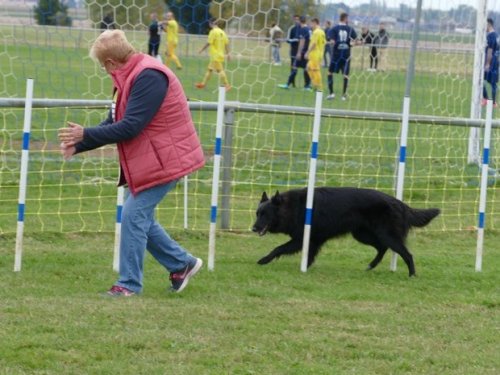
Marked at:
<point>276,53</point>
<point>140,231</point>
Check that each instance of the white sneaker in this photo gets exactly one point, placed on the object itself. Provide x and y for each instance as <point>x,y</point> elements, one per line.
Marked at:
<point>344,98</point>
<point>330,97</point>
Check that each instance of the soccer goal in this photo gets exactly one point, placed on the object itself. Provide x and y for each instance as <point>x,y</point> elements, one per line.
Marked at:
<point>266,138</point>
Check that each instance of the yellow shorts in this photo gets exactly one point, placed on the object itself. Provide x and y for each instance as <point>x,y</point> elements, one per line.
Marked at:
<point>314,64</point>
<point>171,48</point>
<point>216,65</point>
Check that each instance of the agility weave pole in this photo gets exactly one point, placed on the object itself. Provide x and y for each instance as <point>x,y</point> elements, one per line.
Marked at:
<point>216,177</point>
<point>484,186</point>
<point>118,228</point>
<point>312,181</point>
<point>410,72</point>
<point>402,163</point>
<point>23,178</point>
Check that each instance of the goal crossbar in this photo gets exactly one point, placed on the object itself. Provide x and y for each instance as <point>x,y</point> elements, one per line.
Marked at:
<point>265,108</point>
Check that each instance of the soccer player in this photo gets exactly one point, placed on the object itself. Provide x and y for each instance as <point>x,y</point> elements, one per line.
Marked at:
<point>300,61</point>
<point>154,36</point>
<point>491,63</point>
<point>293,40</point>
<point>315,53</point>
<point>341,36</point>
<point>327,56</point>
<point>219,48</point>
<point>172,29</point>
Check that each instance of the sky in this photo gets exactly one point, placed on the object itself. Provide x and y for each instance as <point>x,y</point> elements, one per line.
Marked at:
<point>433,4</point>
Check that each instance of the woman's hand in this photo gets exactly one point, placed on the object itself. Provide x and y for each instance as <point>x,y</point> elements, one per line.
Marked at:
<point>67,151</point>
<point>71,135</point>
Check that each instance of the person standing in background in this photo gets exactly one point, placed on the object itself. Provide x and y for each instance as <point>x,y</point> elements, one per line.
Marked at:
<point>327,56</point>
<point>219,49</point>
<point>491,63</point>
<point>381,42</point>
<point>171,28</point>
<point>368,38</point>
<point>341,35</point>
<point>315,53</point>
<point>154,36</point>
<point>293,39</point>
<point>108,22</point>
<point>275,36</point>
<point>304,36</point>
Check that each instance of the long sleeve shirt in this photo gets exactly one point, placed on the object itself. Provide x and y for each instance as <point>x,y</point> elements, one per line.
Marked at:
<point>147,95</point>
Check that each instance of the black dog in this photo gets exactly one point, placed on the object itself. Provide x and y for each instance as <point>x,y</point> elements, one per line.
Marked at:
<point>373,218</point>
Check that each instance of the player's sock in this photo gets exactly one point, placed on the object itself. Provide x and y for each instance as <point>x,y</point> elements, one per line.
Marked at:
<point>346,81</point>
<point>291,78</point>
<point>176,61</point>
<point>223,77</point>
<point>312,76</point>
<point>316,79</point>
<point>330,83</point>
<point>307,79</point>
<point>208,74</point>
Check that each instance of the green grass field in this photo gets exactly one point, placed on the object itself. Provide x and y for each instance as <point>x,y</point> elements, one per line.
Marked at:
<point>246,319</point>
<point>243,318</point>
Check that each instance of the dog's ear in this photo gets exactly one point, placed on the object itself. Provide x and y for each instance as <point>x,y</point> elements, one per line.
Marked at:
<point>264,198</point>
<point>277,199</point>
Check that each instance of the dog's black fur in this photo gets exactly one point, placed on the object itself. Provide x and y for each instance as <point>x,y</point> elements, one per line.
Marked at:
<point>372,217</point>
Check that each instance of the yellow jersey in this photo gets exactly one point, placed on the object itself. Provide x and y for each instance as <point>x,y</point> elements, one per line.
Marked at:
<point>318,38</point>
<point>172,32</point>
<point>217,40</point>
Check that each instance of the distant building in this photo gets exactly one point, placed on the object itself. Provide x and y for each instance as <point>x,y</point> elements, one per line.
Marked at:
<point>463,30</point>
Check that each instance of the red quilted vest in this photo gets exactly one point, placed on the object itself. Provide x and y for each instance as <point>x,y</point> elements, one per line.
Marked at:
<point>168,148</point>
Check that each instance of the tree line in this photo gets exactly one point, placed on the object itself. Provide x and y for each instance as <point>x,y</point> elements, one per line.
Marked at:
<point>193,15</point>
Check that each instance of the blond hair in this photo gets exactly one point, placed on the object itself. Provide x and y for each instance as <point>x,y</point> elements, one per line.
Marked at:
<point>111,44</point>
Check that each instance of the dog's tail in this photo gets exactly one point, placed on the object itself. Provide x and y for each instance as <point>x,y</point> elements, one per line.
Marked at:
<point>421,217</point>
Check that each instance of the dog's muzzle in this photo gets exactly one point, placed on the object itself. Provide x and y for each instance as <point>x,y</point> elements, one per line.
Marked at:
<point>261,231</point>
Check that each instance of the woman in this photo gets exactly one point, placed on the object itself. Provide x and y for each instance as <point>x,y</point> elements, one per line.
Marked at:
<point>157,144</point>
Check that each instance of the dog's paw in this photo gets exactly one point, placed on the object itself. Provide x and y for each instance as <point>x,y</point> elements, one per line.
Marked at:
<point>369,268</point>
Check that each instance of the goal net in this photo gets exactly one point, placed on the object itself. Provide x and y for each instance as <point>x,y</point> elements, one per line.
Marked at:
<point>358,144</point>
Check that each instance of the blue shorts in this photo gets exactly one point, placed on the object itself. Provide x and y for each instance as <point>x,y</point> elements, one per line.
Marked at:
<point>302,63</point>
<point>491,76</point>
<point>340,65</point>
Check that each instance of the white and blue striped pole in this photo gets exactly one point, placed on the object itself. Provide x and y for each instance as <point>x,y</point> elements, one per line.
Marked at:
<point>312,181</point>
<point>118,228</point>
<point>23,179</point>
<point>185,202</point>
<point>402,163</point>
<point>410,72</point>
<point>484,186</point>
<point>215,177</point>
